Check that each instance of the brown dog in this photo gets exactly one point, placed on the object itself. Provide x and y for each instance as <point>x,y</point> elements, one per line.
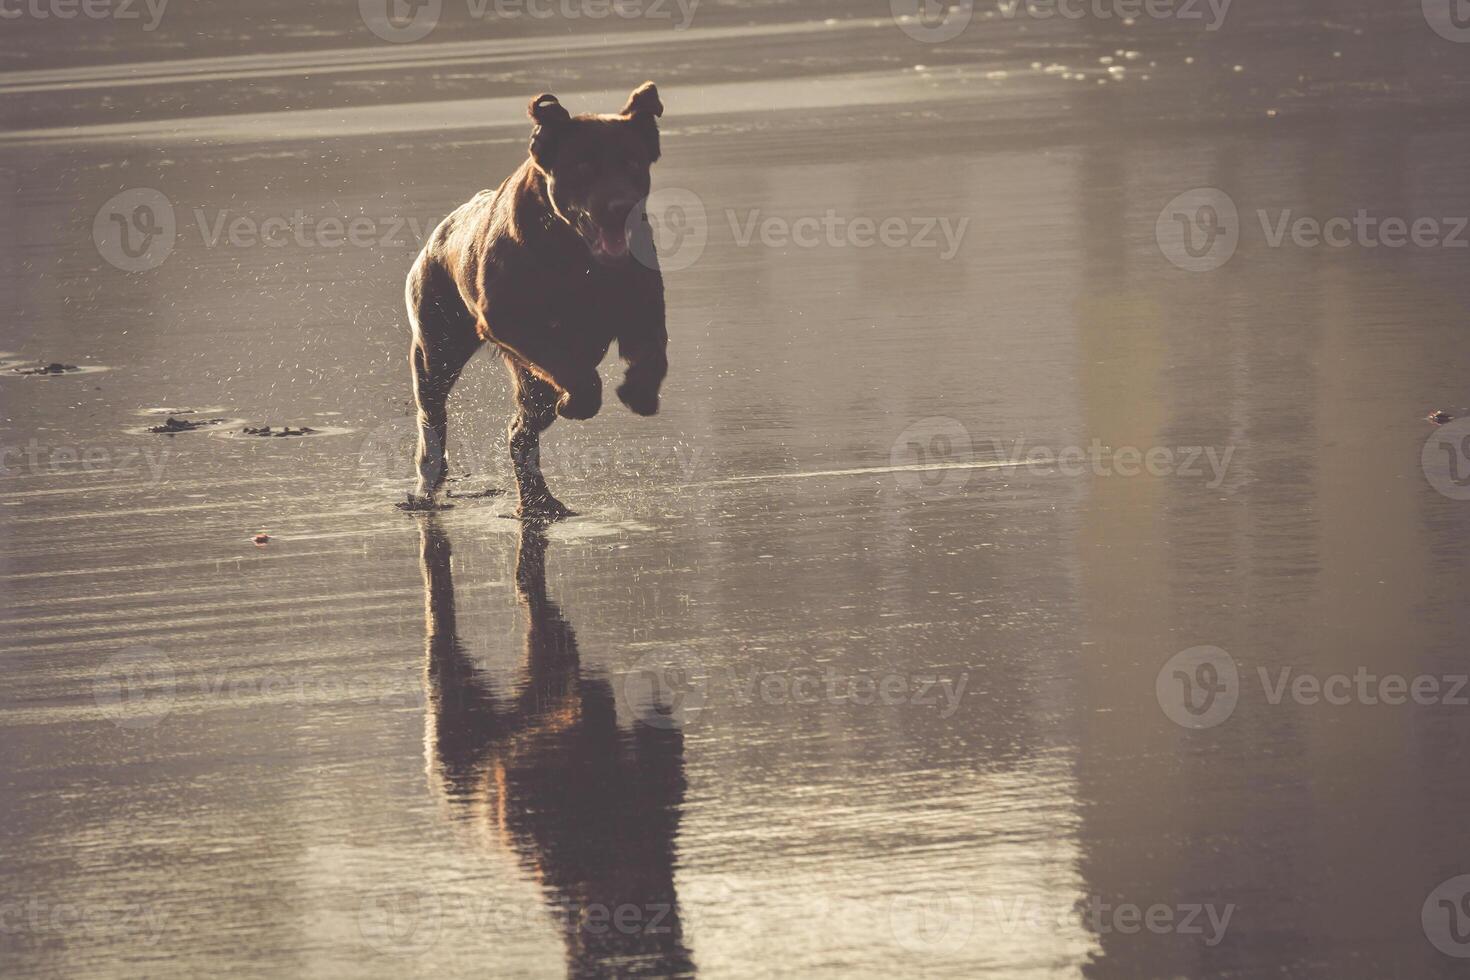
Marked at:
<point>551,267</point>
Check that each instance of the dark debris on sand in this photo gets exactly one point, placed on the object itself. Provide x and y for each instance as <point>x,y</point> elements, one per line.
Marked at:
<point>55,367</point>
<point>174,425</point>
<point>266,431</point>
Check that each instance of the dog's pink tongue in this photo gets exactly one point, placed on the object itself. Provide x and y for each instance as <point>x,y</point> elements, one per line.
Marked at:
<point>613,243</point>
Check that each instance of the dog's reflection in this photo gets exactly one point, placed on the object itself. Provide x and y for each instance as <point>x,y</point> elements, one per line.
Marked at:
<point>590,809</point>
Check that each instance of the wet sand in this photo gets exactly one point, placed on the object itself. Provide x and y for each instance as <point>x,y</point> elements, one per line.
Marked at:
<point>829,677</point>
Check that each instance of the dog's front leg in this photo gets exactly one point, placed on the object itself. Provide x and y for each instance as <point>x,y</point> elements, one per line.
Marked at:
<point>643,341</point>
<point>555,356</point>
<point>646,352</point>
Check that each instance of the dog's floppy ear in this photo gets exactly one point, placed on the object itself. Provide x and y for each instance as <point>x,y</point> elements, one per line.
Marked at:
<point>549,117</point>
<point>643,110</point>
<point>644,99</point>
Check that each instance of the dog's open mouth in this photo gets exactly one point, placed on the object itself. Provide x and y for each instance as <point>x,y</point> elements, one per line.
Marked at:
<point>606,244</point>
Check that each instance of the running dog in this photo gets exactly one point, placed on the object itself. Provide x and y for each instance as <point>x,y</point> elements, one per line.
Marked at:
<point>551,267</point>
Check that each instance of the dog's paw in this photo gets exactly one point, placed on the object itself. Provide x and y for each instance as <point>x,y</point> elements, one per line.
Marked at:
<point>640,400</point>
<point>582,402</point>
<point>416,502</point>
<point>543,508</point>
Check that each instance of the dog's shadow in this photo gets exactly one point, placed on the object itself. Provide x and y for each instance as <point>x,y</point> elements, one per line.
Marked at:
<point>590,809</point>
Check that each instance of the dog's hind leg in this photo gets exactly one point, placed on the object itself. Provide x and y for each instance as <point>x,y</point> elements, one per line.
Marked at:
<point>536,402</point>
<point>444,339</point>
<point>434,374</point>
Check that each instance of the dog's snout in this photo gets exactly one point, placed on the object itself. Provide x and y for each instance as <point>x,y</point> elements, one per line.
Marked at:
<point>619,208</point>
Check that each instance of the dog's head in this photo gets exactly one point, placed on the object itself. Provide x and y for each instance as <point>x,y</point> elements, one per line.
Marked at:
<point>596,167</point>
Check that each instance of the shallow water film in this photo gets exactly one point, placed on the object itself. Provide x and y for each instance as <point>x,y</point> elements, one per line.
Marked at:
<point>1048,558</point>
